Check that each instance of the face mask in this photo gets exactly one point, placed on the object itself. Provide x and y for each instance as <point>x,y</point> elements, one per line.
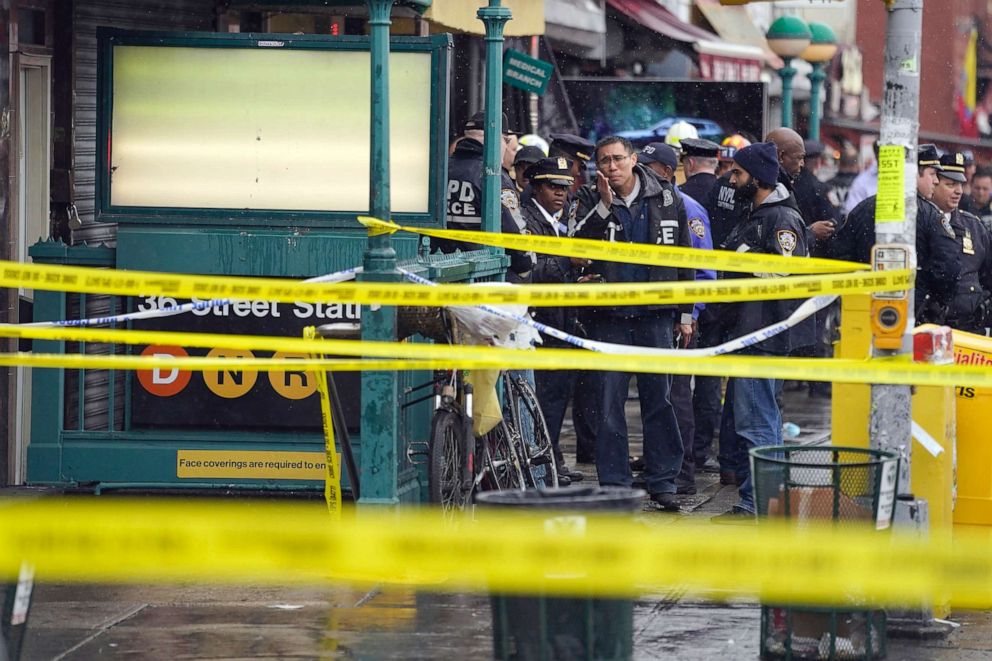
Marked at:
<point>746,192</point>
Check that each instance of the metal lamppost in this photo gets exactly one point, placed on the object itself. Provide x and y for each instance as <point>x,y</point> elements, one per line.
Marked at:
<point>822,48</point>
<point>494,17</point>
<point>788,37</point>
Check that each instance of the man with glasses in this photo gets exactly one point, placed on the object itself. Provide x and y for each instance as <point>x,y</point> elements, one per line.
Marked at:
<point>627,203</point>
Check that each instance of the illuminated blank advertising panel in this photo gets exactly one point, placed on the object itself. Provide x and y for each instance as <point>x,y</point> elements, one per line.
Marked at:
<point>262,124</point>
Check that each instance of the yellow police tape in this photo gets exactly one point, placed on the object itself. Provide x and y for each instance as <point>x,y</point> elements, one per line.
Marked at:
<point>332,477</point>
<point>633,253</point>
<point>146,283</point>
<point>416,356</point>
<point>106,540</point>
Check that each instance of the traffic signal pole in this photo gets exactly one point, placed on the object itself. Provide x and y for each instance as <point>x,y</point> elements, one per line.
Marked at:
<point>891,415</point>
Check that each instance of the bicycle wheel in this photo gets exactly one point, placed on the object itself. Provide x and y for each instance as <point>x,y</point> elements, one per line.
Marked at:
<point>444,468</point>
<point>538,457</point>
<point>502,463</point>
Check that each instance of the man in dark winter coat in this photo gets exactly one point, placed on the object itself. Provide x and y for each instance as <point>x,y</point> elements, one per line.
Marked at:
<point>629,204</point>
<point>465,198</point>
<point>751,416</point>
<point>969,309</point>
<point>938,256</point>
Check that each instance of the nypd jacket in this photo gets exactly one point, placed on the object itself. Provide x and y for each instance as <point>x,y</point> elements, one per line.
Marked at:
<point>774,227</point>
<point>661,206</point>
<point>465,207</point>
<point>938,255</point>
<point>969,309</point>
<point>551,269</point>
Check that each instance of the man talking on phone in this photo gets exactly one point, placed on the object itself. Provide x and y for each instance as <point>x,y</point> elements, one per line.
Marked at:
<point>629,204</point>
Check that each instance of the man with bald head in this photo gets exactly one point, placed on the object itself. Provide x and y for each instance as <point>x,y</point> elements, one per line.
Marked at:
<point>818,215</point>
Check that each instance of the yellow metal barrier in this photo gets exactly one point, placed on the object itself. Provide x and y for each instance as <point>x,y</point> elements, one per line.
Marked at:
<point>974,408</point>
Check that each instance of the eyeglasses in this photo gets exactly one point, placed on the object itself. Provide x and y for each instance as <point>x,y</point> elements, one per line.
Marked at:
<point>606,160</point>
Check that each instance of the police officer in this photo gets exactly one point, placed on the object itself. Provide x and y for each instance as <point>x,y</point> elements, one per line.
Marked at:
<point>938,256</point>
<point>969,309</point>
<point>629,204</point>
<point>585,403</point>
<point>773,225</point>
<point>699,161</point>
<point>663,161</point>
<point>577,150</point>
<point>550,181</point>
<point>524,158</point>
<point>465,198</point>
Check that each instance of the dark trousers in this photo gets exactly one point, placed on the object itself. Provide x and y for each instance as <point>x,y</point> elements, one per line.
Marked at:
<point>555,389</point>
<point>586,413</point>
<point>706,404</point>
<point>682,403</point>
<point>751,418</point>
<point>662,441</point>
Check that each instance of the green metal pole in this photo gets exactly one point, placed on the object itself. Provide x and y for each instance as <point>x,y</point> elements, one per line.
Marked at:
<point>380,413</point>
<point>787,73</point>
<point>816,78</point>
<point>494,17</point>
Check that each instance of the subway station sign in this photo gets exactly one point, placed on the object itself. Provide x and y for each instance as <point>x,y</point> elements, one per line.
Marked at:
<point>236,399</point>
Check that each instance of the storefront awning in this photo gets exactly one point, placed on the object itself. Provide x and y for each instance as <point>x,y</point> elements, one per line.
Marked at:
<point>658,19</point>
<point>729,62</point>
<point>734,26</point>
<point>460,15</point>
<point>578,22</point>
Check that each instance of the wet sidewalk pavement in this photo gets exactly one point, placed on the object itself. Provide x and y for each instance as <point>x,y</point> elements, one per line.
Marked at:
<point>346,622</point>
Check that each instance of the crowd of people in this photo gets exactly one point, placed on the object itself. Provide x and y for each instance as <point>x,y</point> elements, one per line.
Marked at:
<point>759,197</point>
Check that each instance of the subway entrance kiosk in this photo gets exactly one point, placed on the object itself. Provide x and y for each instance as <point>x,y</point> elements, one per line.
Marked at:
<point>247,155</point>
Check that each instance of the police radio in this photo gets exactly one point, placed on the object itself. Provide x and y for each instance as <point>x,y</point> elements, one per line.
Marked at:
<point>889,309</point>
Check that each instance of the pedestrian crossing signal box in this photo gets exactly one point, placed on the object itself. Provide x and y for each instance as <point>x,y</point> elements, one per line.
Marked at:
<point>889,309</point>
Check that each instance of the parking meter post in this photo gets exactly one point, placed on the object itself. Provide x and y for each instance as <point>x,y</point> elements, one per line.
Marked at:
<point>494,17</point>
<point>380,415</point>
<point>891,411</point>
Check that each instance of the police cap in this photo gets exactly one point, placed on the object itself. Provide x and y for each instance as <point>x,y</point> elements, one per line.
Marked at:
<point>551,171</point>
<point>573,145</point>
<point>528,156</point>
<point>928,156</point>
<point>699,147</point>
<point>952,166</point>
<point>477,122</point>
<point>658,152</point>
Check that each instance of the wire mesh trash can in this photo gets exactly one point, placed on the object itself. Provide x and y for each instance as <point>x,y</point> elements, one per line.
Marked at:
<point>849,486</point>
<point>540,627</point>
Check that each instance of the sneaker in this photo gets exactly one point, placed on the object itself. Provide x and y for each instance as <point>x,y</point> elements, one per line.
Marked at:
<point>564,480</point>
<point>737,515</point>
<point>636,464</point>
<point>666,501</point>
<point>685,489</point>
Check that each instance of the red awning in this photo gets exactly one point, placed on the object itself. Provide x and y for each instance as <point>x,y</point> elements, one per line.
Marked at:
<point>655,17</point>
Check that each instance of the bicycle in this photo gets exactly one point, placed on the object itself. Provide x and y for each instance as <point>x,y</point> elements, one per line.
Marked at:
<point>536,453</point>
<point>459,463</point>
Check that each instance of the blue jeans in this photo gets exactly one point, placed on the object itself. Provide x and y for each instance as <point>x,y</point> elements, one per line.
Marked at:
<point>751,418</point>
<point>662,441</point>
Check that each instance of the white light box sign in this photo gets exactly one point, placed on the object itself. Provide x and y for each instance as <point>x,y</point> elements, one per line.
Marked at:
<point>279,129</point>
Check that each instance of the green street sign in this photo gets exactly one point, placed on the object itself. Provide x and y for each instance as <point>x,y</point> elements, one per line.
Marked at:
<point>528,73</point>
